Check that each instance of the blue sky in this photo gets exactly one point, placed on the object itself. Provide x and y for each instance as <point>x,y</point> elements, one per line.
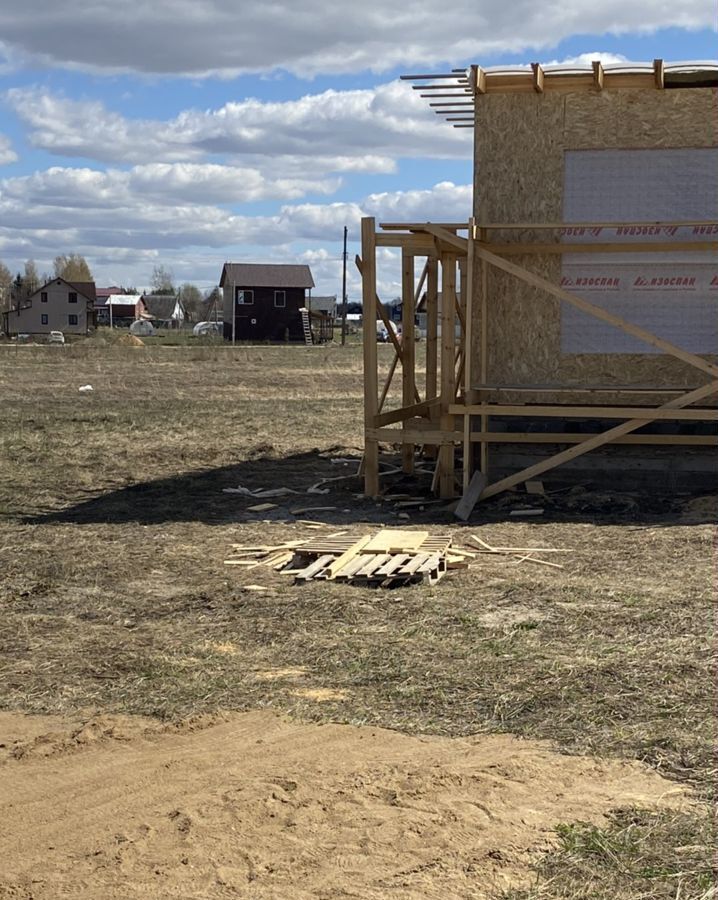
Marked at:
<point>190,134</point>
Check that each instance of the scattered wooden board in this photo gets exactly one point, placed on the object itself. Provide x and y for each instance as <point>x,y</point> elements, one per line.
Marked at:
<point>472,493</point>
<point>393,539</point>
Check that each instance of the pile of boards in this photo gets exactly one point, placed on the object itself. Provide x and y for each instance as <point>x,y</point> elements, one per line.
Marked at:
<point>388,558</point>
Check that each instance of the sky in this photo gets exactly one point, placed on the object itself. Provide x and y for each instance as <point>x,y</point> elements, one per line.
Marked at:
<point>187,133</point>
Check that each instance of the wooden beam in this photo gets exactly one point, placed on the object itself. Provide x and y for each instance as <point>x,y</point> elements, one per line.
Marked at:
<point>585,412</point>
<point>472,492</point>
<point>523,248</point>
<point>597,312</point>
<point>468,463</point>
<point>432,326</point>
<point>404,413</point>
<point>371,399</point>
<point>598,440</point>
<point>448,237</point>
<point>533,437</point>
<point>478,80</point>
<point>484,349</point>
<point>538,77</point>
<point>384,316</point>
<point>552,226</point>
<point>418,244</point>
<point>432,435</point>
<point>387,382</point>
<point>448,338</point>
<point>428,436</point>
<point>658,74</point>
<point>408,343</point>
<point>597,66</point>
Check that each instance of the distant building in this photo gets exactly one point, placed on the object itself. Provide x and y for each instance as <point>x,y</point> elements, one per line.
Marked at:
<point>58,305</point>
<point>163,310</point>
<point>120,310</point>
<point>322,316</point>
<point>265,302</point>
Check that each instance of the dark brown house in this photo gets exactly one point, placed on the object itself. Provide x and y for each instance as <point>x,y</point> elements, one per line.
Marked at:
<point>264,302</point>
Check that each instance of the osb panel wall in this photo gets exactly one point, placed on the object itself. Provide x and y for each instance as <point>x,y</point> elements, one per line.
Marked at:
<point>518,177</point>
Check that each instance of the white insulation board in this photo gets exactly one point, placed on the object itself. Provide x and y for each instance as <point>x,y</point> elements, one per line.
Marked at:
<point>675,296</point>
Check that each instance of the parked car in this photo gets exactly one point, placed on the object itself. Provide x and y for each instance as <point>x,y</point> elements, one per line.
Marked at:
<point>56,337</point>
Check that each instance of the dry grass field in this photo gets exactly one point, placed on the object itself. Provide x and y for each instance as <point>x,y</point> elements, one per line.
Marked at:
<point>114,601</point>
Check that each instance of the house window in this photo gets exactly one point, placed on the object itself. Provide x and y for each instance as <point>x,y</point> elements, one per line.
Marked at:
<point>72,319</point>
<point>280,298</point>
<point>72,297</point>
<point>245,298</point>
<point>43,297</point>
<point>43,319</point>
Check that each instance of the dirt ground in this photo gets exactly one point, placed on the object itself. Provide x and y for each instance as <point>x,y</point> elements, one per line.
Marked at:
<point>252,805</point>
<point>591,687</point>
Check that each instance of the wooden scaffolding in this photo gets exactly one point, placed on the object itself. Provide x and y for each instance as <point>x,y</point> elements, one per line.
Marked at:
<point>493,294</point>
<point>455,405</point>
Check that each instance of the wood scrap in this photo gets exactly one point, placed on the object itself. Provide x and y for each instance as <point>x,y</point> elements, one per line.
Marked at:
<point>393,540</point>
<point>473,492</point>
<point>535,487</point>
<point>261,507</point>
<point>300,510</point>
<point>387,558</point>
<point>520,511</point>
<point>540,562</point>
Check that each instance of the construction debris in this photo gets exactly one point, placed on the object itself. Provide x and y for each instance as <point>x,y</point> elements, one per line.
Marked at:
<point>259,493</point>
<point>389,558</point>
<point>522,554</point>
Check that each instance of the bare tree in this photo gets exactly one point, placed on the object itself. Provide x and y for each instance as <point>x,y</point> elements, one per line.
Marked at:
<point>5,284</point>
<point>191,298</point>
<point>31,281</point>
<point>162,280</point>
<point>72,267</point>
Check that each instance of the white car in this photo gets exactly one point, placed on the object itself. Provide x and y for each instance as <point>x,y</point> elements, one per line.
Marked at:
<point>56,337</point>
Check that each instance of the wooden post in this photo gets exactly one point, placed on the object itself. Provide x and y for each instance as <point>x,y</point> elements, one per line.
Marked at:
<point>432,326</point>
<point>468,353</point>
<point>371,399</point>
<point>432,335</point>
<point>484,350</point>
<point>408,347</point>
<point>448,387</point>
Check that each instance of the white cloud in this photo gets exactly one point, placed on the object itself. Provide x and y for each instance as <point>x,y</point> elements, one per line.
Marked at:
<point>127,227</point>
<point>584,60</point>
<point>202,183</point>
<point>7,154</point>
<point>201,37</point>
<point>340,131</point>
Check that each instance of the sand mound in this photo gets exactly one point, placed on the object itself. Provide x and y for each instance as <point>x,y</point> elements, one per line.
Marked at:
<point>130,340</point>
<point>252,805</point>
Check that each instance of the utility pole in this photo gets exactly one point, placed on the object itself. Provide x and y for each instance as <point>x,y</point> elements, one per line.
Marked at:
<point>344,289</point>
<point>234,315</point>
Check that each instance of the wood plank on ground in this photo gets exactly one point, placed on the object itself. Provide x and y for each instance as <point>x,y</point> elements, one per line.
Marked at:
<point>393,539</point>
<point>471,495</point>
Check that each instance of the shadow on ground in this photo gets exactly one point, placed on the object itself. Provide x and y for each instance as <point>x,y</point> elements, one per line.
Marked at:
<point>200,495</point>
<point>203,496</point>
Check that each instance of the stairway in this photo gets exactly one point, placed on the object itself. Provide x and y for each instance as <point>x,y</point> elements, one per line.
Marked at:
<point>306,327</point>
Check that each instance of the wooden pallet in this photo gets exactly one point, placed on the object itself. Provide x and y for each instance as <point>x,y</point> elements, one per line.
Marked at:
<point>388,558</point>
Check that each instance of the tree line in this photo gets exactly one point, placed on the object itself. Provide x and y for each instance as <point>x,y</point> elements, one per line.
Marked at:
<point>74,267</point>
